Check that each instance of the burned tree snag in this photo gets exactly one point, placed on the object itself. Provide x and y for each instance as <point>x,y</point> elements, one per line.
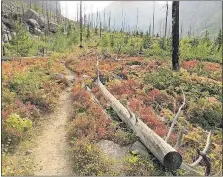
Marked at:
<point>153,17</point>
<point>47,16</point>
<point>175,36</point>
<point>109,21</point>
<point>81,25</point>
<point>100,29</point>
<point>167,7</point>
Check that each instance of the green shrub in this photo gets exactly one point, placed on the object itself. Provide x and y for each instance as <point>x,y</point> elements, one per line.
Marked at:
<point>89,160</point>
<point>139,166</point>
<point>22,44</point>
<point>124,138</point>
<point>27,83</point>
<point>193,85</point>
<point>205,113</point>
<point>7,98</point>
<point>18,123</point>
<point>60,42</point>
<point>201,49</point>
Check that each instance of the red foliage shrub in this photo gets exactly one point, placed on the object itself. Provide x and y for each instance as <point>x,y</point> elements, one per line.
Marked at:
<point>127,87</point>
<point>190,64</point>
<point>7,112</point>
<point>161,131</point>
<point>209,67</point>
<point>26,110</point>
<point>80,97</point>
<point>153,94</point>
<point>153,65</point>
<point>135,104</point>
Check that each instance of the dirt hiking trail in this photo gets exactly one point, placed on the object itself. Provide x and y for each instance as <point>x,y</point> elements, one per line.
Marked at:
<point>52,150</point>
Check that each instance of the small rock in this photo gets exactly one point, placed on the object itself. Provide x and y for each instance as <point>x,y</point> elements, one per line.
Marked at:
<point>139,149</point>
<point>28,152</point>
<point>85,76</point>
<point>134,66</point>
<point>70,78</point>
<point>59,76</point>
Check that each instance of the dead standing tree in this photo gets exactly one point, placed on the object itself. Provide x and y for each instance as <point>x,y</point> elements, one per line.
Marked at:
<point>167,7</point>
<point>48,19</point>
<point>109,21</point>
<point>175,36</point>
<point>153,17</point>
<point>81,30</point>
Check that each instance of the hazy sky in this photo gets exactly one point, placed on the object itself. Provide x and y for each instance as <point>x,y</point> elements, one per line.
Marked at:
<point>69,8</point>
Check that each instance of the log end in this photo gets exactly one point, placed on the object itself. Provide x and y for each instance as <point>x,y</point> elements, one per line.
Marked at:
<point>172,160</point>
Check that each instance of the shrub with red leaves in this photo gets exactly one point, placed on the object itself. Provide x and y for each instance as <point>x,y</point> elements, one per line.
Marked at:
<point>192,64</point>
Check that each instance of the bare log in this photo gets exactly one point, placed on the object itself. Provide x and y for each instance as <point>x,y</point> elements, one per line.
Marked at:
<point>166,154</point>
<point>175,119</point>
<point>204,151</point>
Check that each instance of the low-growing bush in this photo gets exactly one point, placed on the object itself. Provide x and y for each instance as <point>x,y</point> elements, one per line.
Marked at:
<point>205,112</point>
<point>139,166</point>
<point>13,128</point>
<point>89,160</point>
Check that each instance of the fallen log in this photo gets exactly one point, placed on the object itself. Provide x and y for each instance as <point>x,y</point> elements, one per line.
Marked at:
<point>165,153</point>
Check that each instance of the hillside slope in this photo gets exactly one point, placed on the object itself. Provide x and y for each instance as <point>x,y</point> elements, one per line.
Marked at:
<point>199,15</point>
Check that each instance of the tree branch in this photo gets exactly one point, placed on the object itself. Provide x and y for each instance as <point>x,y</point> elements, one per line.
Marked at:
<point>175,119</point>
<point>206,161</point>
<point>204,151</point>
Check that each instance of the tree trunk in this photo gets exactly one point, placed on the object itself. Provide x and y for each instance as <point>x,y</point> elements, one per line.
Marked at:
<point>100,29</point>
<point>167,7</point>
<point>175,35</point>
<point>47,16</point>
<point>77,13</point>
<point>167,155</point>
<point>153,16</point>
<point>80,23</point>
<point>109,21</point>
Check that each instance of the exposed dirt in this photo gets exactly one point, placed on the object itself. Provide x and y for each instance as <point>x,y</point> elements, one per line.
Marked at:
<point>51,154</point>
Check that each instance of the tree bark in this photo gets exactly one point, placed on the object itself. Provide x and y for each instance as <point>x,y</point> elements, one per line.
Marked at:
<point>80,23</point>
<point>109,21</point>
<point>175,36</point>
<point>47,16</point>
<point>153,17</point>
<point>167,8</point>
